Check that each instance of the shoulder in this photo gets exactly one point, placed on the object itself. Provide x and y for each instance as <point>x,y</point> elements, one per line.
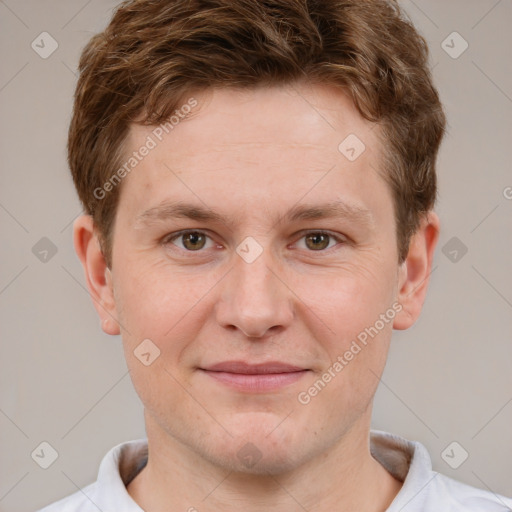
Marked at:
<point>80,501</point>
<point>426,490</point>
<point>463,497</point>
<point>108,493</point>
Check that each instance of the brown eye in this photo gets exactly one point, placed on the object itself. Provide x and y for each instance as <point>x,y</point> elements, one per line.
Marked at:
<point>317,241</point>
<point>188,240</point>
<point>193,240</point>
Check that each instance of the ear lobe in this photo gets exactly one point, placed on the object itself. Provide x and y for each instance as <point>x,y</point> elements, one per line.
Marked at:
<point>414,273</point>
<point>97,275</point>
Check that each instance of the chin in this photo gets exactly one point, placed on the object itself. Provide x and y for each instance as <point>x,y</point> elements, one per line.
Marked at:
<point>259,448</point>
<point>263,460</point>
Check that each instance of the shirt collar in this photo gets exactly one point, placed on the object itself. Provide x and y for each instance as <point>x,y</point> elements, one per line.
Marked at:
<point>407,461</point>
<point>117,469</point>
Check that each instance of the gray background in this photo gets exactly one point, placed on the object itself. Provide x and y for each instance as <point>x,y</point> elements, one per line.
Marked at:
<point>65,382</point>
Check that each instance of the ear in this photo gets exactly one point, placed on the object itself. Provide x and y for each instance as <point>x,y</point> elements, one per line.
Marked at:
<point>414,273</point>
<point>98,276</point>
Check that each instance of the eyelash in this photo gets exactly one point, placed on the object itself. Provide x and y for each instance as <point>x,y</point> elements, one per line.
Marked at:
<point>173,236</point>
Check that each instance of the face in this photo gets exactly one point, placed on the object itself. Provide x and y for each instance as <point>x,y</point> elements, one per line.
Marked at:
<point>255,253</point>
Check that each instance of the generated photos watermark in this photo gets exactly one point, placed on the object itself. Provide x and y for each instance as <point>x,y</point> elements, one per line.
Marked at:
<point>305,397</point>
<point>144,150</point>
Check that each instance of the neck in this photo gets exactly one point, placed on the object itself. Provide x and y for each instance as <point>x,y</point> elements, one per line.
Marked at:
<point>344,477</point>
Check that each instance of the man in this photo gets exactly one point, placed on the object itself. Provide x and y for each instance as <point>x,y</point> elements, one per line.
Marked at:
<point>258,180</point>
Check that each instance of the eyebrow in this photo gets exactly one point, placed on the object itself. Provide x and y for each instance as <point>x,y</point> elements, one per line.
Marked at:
<point>180,210</point>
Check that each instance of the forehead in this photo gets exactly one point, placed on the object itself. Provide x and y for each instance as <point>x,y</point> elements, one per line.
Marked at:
<point>289,141</point>
<point>293,114</point>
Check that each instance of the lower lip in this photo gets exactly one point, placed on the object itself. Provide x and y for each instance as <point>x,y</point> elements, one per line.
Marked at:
<point>257,382</point>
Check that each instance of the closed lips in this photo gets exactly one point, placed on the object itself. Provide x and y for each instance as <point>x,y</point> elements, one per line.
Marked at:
<point>241,367</point>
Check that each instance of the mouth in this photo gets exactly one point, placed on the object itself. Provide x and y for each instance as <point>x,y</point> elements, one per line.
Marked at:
<point>255,377</point>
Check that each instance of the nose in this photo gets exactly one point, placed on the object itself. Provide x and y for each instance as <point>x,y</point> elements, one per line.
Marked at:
<point>254,299</point>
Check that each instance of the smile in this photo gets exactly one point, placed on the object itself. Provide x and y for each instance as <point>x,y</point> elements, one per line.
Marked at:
<point>255,377</point>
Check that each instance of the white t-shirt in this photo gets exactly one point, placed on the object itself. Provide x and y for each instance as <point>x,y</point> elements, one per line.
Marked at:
<point>423,490</point>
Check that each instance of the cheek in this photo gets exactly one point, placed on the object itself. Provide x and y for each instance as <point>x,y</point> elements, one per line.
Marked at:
<point>357,308</point>
<point>344,389</point>
<point>169,309</point>
<point>156,311</point>
<point>164,394</point>
<point>348,300</point>
<point>152,302</point>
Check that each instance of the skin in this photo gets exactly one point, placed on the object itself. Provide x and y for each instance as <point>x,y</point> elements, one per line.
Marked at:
<point>252,155</point>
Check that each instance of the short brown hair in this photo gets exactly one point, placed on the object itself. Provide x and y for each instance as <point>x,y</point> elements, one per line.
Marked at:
<point>154,52</point>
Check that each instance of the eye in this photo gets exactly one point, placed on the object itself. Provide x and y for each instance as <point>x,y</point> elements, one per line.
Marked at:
<point>320,240</point>
<point>192,241</point>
